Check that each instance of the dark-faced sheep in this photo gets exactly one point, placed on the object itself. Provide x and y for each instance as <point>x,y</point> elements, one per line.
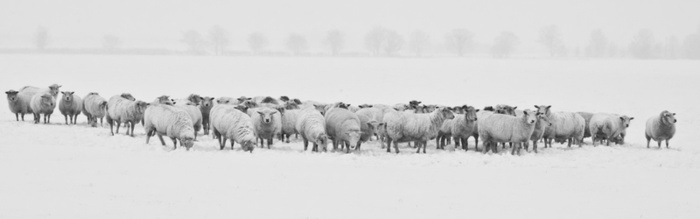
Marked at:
<point>500,128</point>
<point>206,103</point>
<point>606,126</point>
<point>124,110</point>
<point>343,127</point>
<point>419,128</point>
<point>43,103</point>
<point>661,127</point>
<point>94,107</point>
<point>70,106</point>
<point>565,125</point>
<point>311,125</point>
<point>17,105</point>
<point>227,122</point>
<point>161,119</point>
<point>465,126</point>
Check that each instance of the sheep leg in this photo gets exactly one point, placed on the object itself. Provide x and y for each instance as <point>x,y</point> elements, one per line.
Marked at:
<point>659,143</point>
<point>425,145</point>
<point>132,129</point>
<point>22,117</point>
<point>161,139</point>
<point>666,143</point>
<point>269,142</point>
<point>396,146</point>
<point>388,145</point>
<point>437,142</point>
<point>464,142</point>
<point>306,143</point>
<point>417,144</point>
<point>234,142</point>
<point>118,125</point>
<point>347,146</point>
<point>359,143</point>
<point>174,143</point>
<point>648,140</point>
<point>148,136</point>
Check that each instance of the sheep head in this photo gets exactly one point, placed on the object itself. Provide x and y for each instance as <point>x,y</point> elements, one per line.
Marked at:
<point>353,136</point>
<point>266,115</point>
<point>54,89</point>
<point>194,98</point>
<point>206,101</point>
<point>47,100</point>
<point>284,98</point>
<point>445,112</point>
<point>248,145</point>
<point>668,117</point>
<point>625,120</point>
<point>322,142</point>
<point>141,106</point>
<point>530,116</point>
<point>365,106</point>
<point>12,95</point>
<point>542,109</point>
<point>470,113</point>
<point>128,96</point>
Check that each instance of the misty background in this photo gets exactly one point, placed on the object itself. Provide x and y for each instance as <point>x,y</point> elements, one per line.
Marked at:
<point>500,29</point>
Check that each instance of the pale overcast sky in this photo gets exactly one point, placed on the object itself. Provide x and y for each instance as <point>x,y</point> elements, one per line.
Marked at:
<point>159,23</point>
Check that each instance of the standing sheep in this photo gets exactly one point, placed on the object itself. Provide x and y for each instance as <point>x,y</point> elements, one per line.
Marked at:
<point>206,104</point>
<point>43,103</point>
<point>94,107</point>
<point>343,127</point>
<point>606,126</point>
<point>445,133</point>
<point>227,122</point>
<point>121,110</point>
<point>661,127</point>
<point>368,127</point>
<point>289,123</point>
<point>195,115</point>
<point>29,91</point>
<point>540,127</point>
<point>586,116</point>
<point>506,128</point>
<point>565,125</point>
<point>312,127</point>
<point>465,126</point>
<point>170,121</point>
<point>404,127</point>
<point>17,105</point>
<point>70,106</point>
<point>267,123</point>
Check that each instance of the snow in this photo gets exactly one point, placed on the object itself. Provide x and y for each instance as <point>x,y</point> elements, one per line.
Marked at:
<point>61,171</point>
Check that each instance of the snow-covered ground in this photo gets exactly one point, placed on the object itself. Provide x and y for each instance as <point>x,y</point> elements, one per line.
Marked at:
<point>80,172</point>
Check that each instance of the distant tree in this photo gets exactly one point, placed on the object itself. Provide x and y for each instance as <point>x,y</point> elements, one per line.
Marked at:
<point>297,44</point>
<point>218,40</point>
<point>394,43</point>
<point>598,44</point>
<point>194,41</point>
<point>257,42</point>
<point>504,44</point>
<point>642,45</point>
<point>419,42</point>
<point>691,45</point>
<point>671,48</point>
<point>375,40</point>
<point>41,38</point>
<point>459,41</point>
<point>111,42</point>
<point>551,38</point>
<point>335,40</point>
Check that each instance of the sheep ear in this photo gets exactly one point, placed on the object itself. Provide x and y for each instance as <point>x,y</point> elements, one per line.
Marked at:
<point>537,107</point>
<point>477,110</point>
<point>622,118</point>
<point>631,118</point>
<point>549,106</point>
<point>515,107</point>
<point>201,98</point>
<point>261,113</point>
<point>673,114</point>
<point>369,106</point>
<point>63,92</point>
<point>525,112</point>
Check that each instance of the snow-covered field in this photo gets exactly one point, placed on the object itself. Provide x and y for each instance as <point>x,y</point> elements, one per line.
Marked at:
<point>64,171</point>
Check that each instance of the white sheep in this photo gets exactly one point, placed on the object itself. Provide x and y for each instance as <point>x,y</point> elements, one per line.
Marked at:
<point>227,122</point>
<point>587,117</point>
<point>500,128</point>
<point>661,127</point>
<point>540,128</point>
<point>195,115</point>
<point>404,127</point>
<point>267,123</point>
<point>289,123</point>
<point>70,106</point>
<point>445,133</point>
<point>227,100</point>
<point>368,127</point>
<point>376,114</point>
<point>124,110</point>
<point>565,125</point>
<point>606,126</point>
<point>205,106</point>
<point>465,126</point>
<point>311,125</point>
<point>343,127</point>
<point>17,105</point>
<point>43,103</point>
<point>94,107</point>
<point>30,91</point>
<point>175,123</point>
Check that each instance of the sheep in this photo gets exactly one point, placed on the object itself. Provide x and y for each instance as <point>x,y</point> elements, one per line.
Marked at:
<point>164,99</point>
<point>605,126</point>
<point>70,106</point>
<point>205,107</point>
<point>311,125</point>
<point>465,126</point>
<point>343,127</point>
<point>565,125</point>
<point>444,133</point>
<point>195,115</point>
<point>124,110</point>
<point>43,103</point>
<point>376,114</point>
<point>368,128</point>
<point>162,119</point>
<point>289,122</point>
<point>94,107</point>
<point>540,127</point>
<point>17,105</point>
<point>226,100</point>
<point>291,105</point>
<point>242,99</point>
<point>586,116</point>
<point>402,127</point>
<point>505,109</point>
<point>227,122</point>
<point>30,91</point>
<point>267,123</point>
<point>661,127</point>
<point>128,96</point>
<point>506,128</point>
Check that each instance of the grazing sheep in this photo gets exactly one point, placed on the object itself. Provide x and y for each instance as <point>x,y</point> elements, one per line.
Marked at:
<point>311,125</point>
<point>661,127</point>
<point>205,106</point>
<point>124,110</point>
<point>42,103</point>
<point>540,127</point>
<point>267,123</point>
<point>17,105</point>
<point>289,123</point>
<point>70,106</point>
<point>343,127</point>
<point>368,127</point>
<point>506,128</point>
<point>195,115</point>
<point>403,127</point>
<point>94,107</point>
<point>565,125</point>
<point>605,126</point>
<point>465,126</point>
<point>227,122</point>
<point>586,116</point>
<point>170,121</point>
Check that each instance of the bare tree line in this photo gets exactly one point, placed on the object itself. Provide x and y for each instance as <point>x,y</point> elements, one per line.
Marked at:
<point>381,41</point>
